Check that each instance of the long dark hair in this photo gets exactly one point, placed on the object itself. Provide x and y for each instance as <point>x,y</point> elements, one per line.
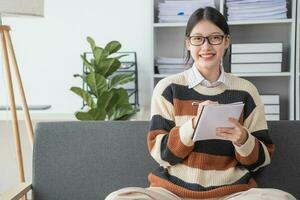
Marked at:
<point>207,13</point>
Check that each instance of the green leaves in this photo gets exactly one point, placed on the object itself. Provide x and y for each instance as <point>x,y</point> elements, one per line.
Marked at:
<point>119,104</point>
<point>104,66</point>
<point>98,54</point>
<point>92,114</point>
<point>85,96</point>
<point>121,111</point>
<point>81,76</point>
<point>115,65</point>
<point>111,103</point>
<point>121,79</point>
<point>113,47</point>
<point>104,99</point>
<point>87,63</point>
<point>91,42</point>
<point>96,83</point>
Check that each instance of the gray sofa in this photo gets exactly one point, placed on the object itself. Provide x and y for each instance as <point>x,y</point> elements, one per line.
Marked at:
<point>88,160</point>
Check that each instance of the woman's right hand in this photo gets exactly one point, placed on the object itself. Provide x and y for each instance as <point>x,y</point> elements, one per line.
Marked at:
<point>203,103</point>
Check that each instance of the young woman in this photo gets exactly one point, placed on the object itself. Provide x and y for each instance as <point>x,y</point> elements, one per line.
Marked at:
<point>209,169</point>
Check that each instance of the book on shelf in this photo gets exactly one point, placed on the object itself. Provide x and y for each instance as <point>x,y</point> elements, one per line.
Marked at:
<point>173,19</point>
<point>256,10</point>
<point>171,69</point>
<point>257,48</point>
<point>262,8</point>
<point>255,67</point>
<point>272,109</point>
<point>167,65</point>
<point>254,16</point>
<point>256,57</point>
<point>271,106</point>
<point>272,117</point>
<point>180,10</point>
<point>186,11</point>
<point>270,98</point>
<point>174,66</point>
<point>169,60</point>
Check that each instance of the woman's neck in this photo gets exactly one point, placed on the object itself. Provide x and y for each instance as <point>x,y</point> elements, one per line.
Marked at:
<point>210,74</point>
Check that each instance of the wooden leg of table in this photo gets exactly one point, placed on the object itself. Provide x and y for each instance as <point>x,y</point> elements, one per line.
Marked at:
<point>21,89</point>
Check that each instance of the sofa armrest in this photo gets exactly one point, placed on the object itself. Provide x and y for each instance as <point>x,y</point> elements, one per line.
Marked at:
<point>16,192</point>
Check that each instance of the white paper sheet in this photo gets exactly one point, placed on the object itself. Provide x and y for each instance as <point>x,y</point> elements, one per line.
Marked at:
<point>214,116</point>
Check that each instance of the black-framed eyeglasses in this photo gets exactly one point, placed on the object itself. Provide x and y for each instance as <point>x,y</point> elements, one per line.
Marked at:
<point>212,40</point>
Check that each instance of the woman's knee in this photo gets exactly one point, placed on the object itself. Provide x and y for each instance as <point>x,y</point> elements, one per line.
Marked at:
<point>271,193</point>
<point>123,193</point>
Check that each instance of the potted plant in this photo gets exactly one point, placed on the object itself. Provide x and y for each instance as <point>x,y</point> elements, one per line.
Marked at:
<point>104,97</point>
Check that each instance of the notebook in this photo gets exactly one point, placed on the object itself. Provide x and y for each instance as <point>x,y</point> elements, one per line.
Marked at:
<point>214,116</point>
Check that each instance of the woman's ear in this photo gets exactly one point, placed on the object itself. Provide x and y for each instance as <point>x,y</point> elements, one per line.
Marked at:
<point>187,44</point>
<point>227,41</point>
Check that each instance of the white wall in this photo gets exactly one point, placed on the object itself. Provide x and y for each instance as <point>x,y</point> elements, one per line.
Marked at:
<point>48,52</point>
<point>48,49</point>
<point>8,161</point>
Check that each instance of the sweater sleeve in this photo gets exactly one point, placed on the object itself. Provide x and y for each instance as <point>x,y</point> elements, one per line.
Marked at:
<point>167,143</point>
<point>257,150</point>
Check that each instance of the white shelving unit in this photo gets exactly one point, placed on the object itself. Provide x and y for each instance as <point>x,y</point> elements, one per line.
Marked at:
<point>168,41</point>
<point>297,60</point>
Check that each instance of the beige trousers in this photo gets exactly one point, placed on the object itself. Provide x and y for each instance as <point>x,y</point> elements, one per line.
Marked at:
<point>158,193</point>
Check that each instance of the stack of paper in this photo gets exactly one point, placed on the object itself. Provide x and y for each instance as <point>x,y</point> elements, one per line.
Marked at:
<point>256,9</point>
<point>180,10</point>
<point>167,65</point>
<point>214,116</point>
<point>256,57</point>
<point>272,108</point>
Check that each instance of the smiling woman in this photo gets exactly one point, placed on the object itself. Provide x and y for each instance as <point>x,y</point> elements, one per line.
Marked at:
<point>207,39</point>
<point>206,169</point>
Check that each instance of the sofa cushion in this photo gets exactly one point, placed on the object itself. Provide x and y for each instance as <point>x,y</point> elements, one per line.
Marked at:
<point>88,160</point>
<point>283,172</point>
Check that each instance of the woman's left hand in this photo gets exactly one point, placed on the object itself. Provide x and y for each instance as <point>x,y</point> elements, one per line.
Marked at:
<point>238,134</point>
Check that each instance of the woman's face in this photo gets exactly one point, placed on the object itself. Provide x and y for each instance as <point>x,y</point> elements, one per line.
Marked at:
<point>207,55</point>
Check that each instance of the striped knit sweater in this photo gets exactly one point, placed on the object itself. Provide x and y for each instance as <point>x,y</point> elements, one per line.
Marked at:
<point>209,168</point>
